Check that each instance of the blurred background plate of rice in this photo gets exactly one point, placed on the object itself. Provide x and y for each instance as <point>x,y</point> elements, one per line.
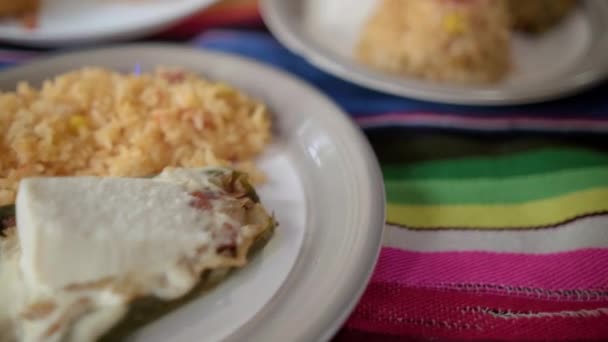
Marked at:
<point>458,41</point>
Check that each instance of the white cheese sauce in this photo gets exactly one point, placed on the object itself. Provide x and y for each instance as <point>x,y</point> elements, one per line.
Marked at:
<point>90,245</point>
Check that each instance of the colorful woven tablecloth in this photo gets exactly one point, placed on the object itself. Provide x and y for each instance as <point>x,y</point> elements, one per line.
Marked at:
<point>497,217</point>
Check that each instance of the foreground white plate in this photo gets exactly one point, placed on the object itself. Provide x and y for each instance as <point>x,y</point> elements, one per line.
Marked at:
<point>70,22</point>
<point>324,186</point>
<point>567,59</point>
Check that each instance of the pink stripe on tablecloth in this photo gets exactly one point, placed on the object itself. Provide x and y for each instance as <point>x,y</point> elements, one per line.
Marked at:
<point>490,123</point>
<point>389,311</point>
<point>582,269</point>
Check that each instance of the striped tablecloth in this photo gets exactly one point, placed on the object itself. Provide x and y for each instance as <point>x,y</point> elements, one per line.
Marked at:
<point>497,226</point>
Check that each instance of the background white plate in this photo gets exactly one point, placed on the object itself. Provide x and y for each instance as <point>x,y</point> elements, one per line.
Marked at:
<point>569,58</point>
<point>71,22</point>
<point>325,187</point>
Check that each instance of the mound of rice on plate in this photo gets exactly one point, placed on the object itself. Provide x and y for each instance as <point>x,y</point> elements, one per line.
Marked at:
<point>99,122</point>
<point>461,41</point>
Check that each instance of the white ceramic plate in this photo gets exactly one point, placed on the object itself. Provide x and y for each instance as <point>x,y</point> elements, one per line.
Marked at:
<point>567,59</point>
<point>72,22</point>
<point>325,188</point>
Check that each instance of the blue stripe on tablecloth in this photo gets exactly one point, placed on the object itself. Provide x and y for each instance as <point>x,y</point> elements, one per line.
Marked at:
<point>358,101</point>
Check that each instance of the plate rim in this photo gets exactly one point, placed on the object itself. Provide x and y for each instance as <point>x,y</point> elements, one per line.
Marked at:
<point>83,38</point>
<point>294,39</point>
<point>373,227</point>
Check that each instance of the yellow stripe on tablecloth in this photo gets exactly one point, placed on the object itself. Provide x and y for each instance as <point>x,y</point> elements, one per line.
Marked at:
<point>533,214</point>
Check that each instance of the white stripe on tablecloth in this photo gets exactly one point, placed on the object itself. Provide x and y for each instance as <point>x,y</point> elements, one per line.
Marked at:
<point>590,232</point>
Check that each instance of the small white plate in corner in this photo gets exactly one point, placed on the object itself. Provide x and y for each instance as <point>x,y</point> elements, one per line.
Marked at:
<point>85,22</point>
<point>569,58</point>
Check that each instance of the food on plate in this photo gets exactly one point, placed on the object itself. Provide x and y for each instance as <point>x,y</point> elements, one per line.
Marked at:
<point>85,248</point>
<point>98,122</point>
<point>11,8</point>
<point>463,41</point>
<point>26,10</point>
<point>537,16</point>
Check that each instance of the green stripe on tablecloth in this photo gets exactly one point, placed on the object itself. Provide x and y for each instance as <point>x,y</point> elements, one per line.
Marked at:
<point>487,191</point>
<point>452,182</point>
<point>517,164</point>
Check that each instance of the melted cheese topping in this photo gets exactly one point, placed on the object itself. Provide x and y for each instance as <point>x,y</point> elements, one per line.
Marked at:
<point>11,289</point>
<point>89,246</point>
